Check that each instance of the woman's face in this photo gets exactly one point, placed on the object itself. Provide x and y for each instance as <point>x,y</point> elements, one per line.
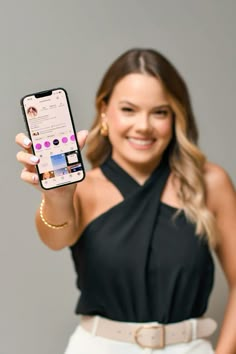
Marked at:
<point>140,122</point>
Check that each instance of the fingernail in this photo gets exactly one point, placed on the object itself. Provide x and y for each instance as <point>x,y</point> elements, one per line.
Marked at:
<point>26,141</point>
<point>35,178</point>
<point>34,158</point>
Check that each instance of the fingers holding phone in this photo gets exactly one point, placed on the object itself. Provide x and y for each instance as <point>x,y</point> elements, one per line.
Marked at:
<point>27,159</point>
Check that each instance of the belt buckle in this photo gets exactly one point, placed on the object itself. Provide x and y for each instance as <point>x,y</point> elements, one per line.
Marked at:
<point>157,327</point>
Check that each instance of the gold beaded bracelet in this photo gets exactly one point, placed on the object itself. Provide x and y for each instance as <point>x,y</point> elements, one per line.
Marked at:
<point>57,227</point>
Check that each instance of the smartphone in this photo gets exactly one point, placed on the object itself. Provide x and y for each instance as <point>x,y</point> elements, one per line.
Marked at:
<point>51,129</point>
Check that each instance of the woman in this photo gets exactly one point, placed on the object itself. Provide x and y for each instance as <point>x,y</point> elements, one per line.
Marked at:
<point>32,112</point>
<point>142,224</point>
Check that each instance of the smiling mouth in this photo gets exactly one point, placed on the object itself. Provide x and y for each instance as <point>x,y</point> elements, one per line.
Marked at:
<point>141,142</point>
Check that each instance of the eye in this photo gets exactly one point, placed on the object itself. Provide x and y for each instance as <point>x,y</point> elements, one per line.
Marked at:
<point>162,112</point>
<point>127,109</point>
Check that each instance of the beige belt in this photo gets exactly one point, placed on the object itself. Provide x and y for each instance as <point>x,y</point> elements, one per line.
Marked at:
<point>149,335</point>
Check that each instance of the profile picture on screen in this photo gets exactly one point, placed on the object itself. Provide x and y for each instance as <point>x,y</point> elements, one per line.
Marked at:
<point>32,112</point>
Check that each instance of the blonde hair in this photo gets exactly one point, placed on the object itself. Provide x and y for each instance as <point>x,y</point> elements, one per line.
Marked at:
<point>186,160</point>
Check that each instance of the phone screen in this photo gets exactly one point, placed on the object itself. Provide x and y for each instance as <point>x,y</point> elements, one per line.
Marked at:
<point>51,128</point>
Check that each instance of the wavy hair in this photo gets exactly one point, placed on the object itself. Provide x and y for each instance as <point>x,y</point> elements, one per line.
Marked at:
<point>185,158</point>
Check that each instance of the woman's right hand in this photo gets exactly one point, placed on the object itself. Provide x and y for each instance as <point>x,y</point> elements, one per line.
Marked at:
<point>59,204</point>
<point>29,161</point>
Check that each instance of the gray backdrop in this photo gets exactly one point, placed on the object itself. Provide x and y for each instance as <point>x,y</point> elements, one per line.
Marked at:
<point>46,44</point>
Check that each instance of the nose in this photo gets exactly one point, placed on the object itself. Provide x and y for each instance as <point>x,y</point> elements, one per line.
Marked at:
<point>143,123</point>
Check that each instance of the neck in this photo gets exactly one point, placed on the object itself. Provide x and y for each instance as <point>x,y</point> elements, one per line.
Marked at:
<point>139,172</point>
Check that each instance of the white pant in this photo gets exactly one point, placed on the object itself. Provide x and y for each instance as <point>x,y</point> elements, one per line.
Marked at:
<point>83,342</point>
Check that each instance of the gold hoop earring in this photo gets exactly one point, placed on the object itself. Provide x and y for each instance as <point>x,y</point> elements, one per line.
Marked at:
<point>104,129</point>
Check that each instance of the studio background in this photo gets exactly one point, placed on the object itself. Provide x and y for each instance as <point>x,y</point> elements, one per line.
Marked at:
<point>46,44</point>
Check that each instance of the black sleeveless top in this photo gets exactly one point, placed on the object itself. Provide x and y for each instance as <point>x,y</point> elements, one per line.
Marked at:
<point>138,261</point>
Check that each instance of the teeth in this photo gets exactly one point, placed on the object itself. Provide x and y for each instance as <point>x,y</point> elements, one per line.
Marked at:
<point>140,142</point>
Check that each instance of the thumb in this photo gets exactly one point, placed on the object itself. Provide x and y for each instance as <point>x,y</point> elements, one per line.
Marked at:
<point>82,136</point>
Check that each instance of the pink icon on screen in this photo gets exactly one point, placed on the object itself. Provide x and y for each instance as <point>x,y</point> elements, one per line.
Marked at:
<point>72,137</point>
<point>38,146</point>
<point>64,139</point>
<point>47,144</point>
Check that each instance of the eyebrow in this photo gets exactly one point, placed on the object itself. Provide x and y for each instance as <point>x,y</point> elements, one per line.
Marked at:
<point>164,105</point>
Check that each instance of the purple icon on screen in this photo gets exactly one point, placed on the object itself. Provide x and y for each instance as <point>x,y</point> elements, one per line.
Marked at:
<point>55,142</point>
<point>72,137</point>
<point>47,144</point>
<point>38,146</point>
<point>64,139</point>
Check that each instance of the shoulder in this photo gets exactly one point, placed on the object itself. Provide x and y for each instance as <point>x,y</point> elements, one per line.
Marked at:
<point>94,196</point>
<point>219,186</point>
<point>215,175</point>
<point>89,197</point>
<point>94,180</point>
